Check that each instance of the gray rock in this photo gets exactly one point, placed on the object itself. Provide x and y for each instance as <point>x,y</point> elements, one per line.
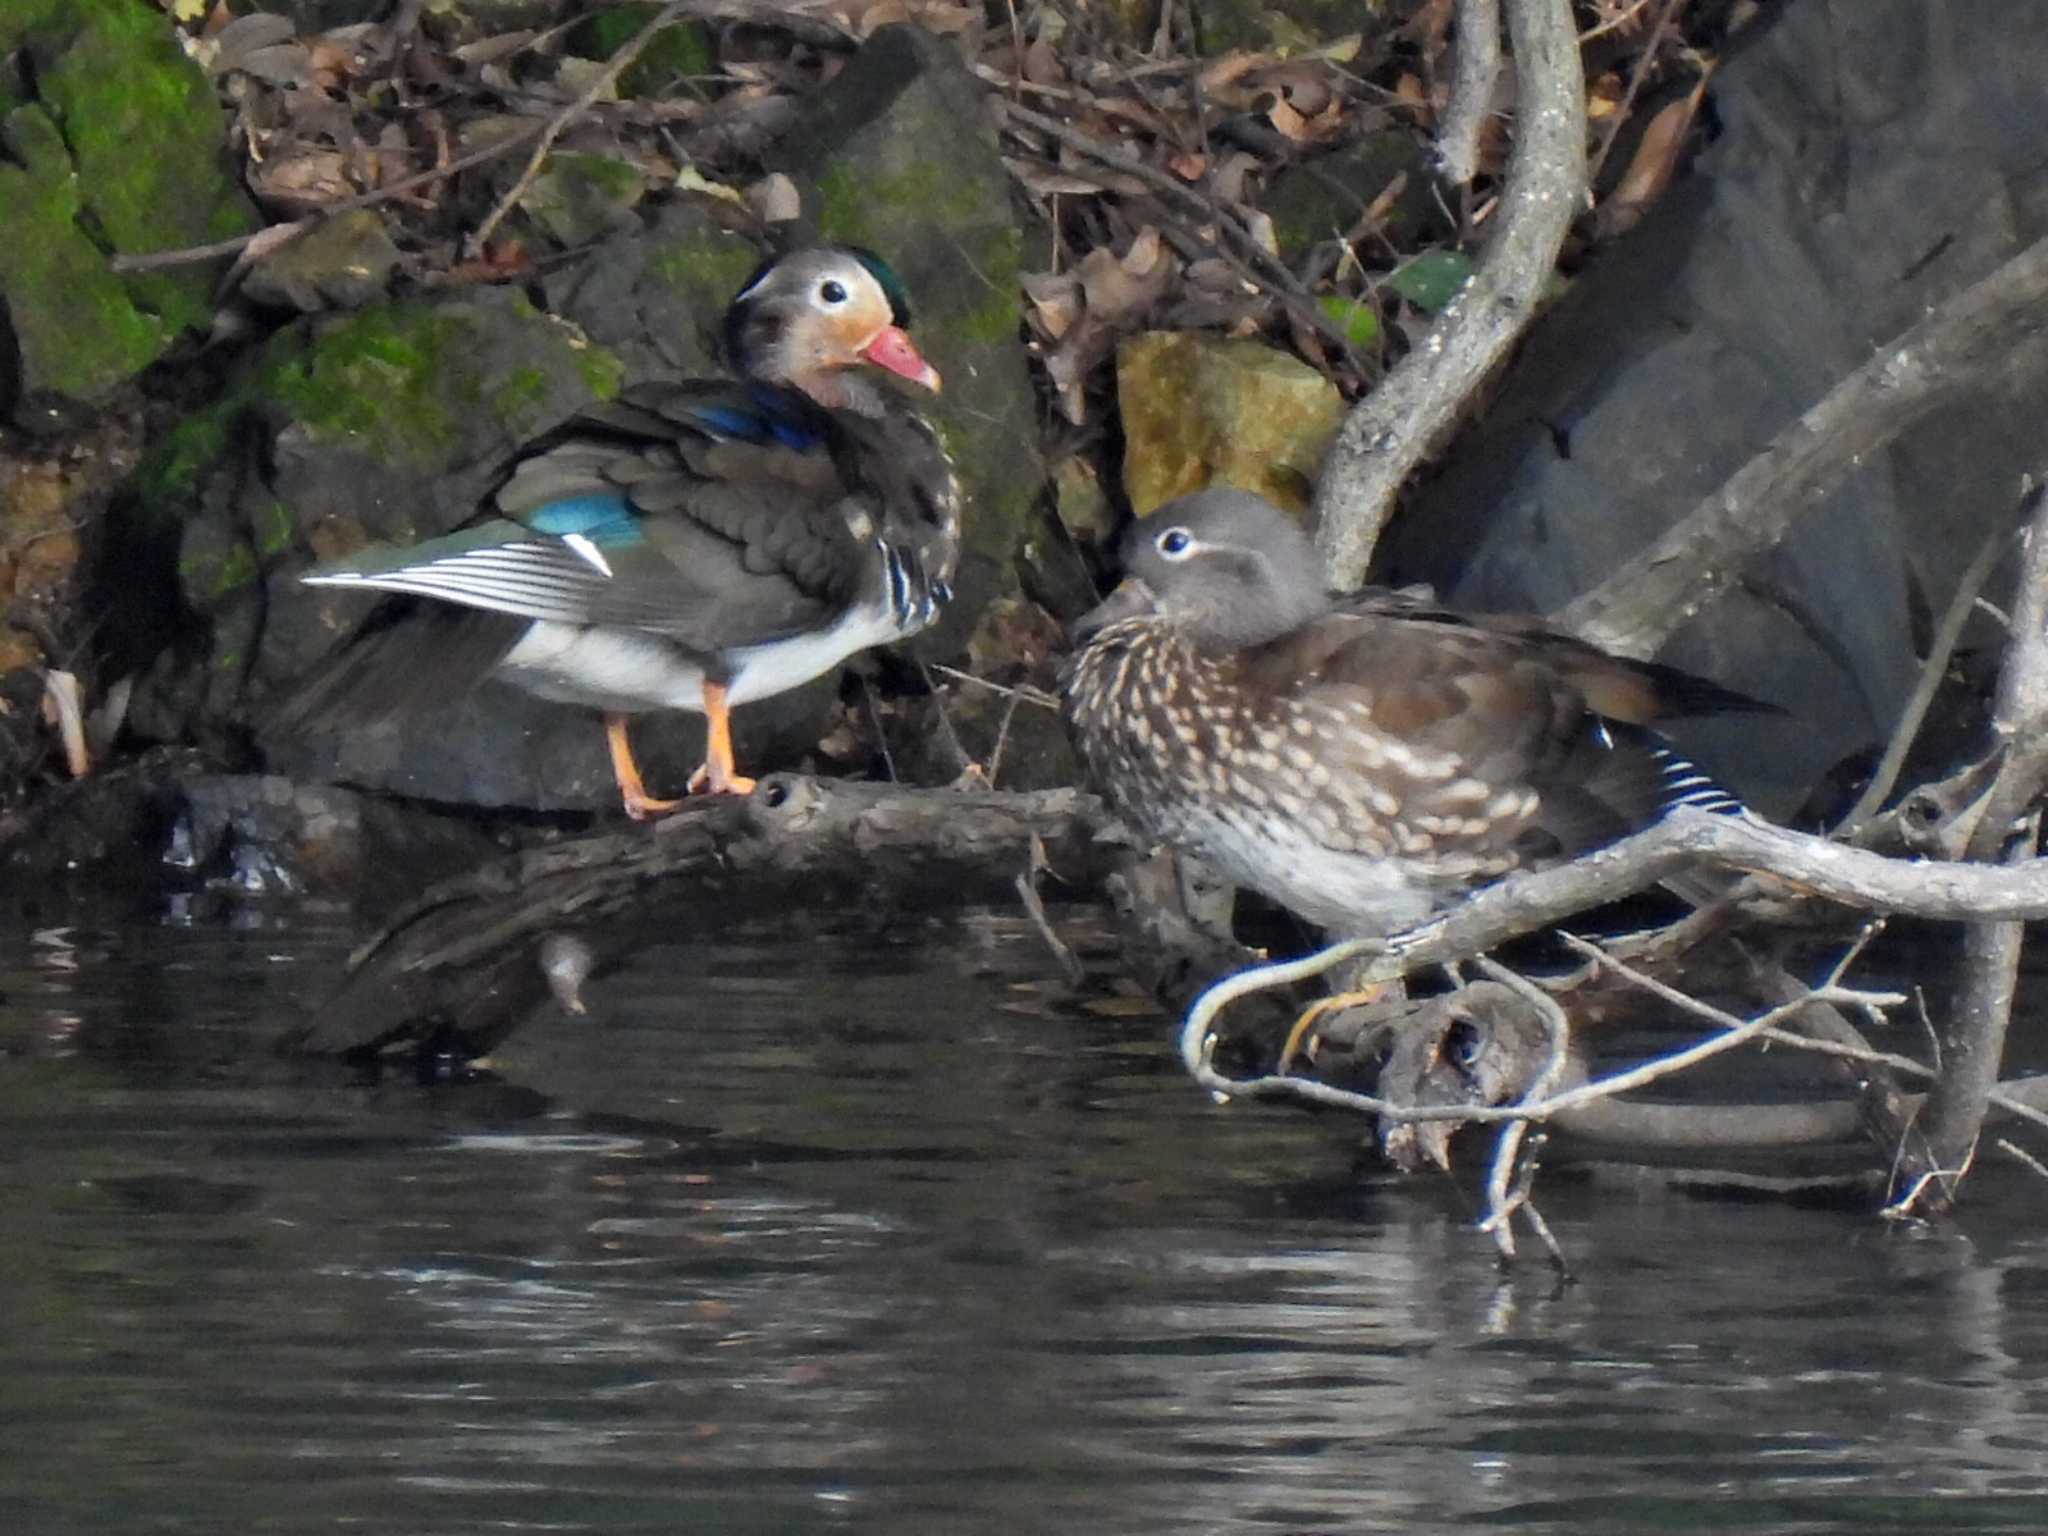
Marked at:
<point>1875,157</point>
<point>342,263</point>
<point>899,153</point>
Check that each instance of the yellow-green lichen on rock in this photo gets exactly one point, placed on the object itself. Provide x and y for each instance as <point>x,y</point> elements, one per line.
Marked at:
<point>1201,410</point>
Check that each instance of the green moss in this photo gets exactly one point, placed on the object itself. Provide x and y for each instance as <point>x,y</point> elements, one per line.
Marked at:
<point>275,529</point>
<point>519,398</point>
<point>392,375</point>
<point>993,321</point>
<point>864,207</point>
<point>76,330</point>
<point>19,19</point>
<point>145,133</point>
<point>168,476</point>
<point>211,574</point>
<point>601,369</point>
<point>677,53</point>
<point>718,263</point>
<point>577,198</point>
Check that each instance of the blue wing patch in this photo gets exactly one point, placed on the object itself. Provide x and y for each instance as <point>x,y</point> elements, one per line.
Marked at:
<point>603,518</point>
<point>761,423</point>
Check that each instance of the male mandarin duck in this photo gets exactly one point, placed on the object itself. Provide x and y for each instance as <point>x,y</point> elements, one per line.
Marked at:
<point>688,545</point>
<point>1362,760</point>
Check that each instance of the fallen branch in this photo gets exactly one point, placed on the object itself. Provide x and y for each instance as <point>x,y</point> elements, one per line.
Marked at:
<point>468,955</point>
<point>1475,67</point>
<point>1415,408</point>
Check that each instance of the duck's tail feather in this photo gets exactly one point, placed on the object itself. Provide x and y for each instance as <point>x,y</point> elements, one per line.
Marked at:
<point>409,656</point>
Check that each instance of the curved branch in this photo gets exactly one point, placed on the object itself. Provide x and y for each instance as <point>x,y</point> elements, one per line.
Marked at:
<point>1416,406</point>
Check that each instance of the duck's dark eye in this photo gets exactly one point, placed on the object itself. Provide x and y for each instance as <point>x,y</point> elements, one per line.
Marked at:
<point>1465,1043</point>
<point>831,291</point>
<point>1175,543</point>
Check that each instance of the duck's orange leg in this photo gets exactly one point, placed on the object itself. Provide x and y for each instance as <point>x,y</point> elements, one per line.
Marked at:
<point>1321,1009</point>
<point>639,804</point>
<point>718,775</point>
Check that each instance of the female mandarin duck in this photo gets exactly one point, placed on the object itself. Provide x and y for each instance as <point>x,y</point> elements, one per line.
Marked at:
<point>693,545</point>
<point>1361,760</point>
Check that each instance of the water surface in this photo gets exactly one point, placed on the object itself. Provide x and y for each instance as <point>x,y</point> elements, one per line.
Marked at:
<point>872,1230</point>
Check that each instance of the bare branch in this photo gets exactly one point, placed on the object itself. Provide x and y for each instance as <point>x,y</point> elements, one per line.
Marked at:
<point>1418,404</point>
<point>1960,606</point>
<point>1991,949</point>
<point>1649,597</point>
<point>1474,69</point>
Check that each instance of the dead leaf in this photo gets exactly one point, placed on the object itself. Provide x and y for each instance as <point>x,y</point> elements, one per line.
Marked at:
<point>1654,164</point>
<point>302,178</point>
<point>1116,295</point>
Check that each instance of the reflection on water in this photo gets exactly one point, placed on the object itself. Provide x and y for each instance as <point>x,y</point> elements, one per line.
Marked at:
<point>861,1232</point>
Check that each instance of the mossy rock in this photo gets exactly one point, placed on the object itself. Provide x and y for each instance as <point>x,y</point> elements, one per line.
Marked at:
<point>1289,26</point>
<point>679,52</point>
<point>899,153</point>
<point>77,335</point>
<point>1203,410</point>
<point>1320,199</point>
<point>148,140</point>
<point>390,423</point>
<point>653,296</point>
<point>579,198</point>
<point>341,263</point>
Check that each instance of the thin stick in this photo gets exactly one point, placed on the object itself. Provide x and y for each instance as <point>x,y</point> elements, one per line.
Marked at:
<point>1943,646</point>
<point>1272,273</point>
<point>1635,83</point>
<point>603,81</point>
<point>1419,403</point>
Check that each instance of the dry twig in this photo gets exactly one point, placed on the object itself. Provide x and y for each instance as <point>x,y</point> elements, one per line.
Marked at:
<point>1417,405</point>
<point>2008,831</point>
<point>601,82</point>
<point>1474,69</point>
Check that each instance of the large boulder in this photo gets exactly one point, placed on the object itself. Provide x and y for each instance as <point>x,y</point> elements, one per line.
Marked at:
<point>387,424</point>
<point>899,153</point>
<point>1874,157</point>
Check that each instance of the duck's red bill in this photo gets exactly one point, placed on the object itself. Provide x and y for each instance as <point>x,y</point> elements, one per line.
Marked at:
<point>894,350</point>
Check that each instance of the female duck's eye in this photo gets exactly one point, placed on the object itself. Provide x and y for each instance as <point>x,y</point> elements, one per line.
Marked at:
<point>831,292</point>
<point>1175,543</point>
